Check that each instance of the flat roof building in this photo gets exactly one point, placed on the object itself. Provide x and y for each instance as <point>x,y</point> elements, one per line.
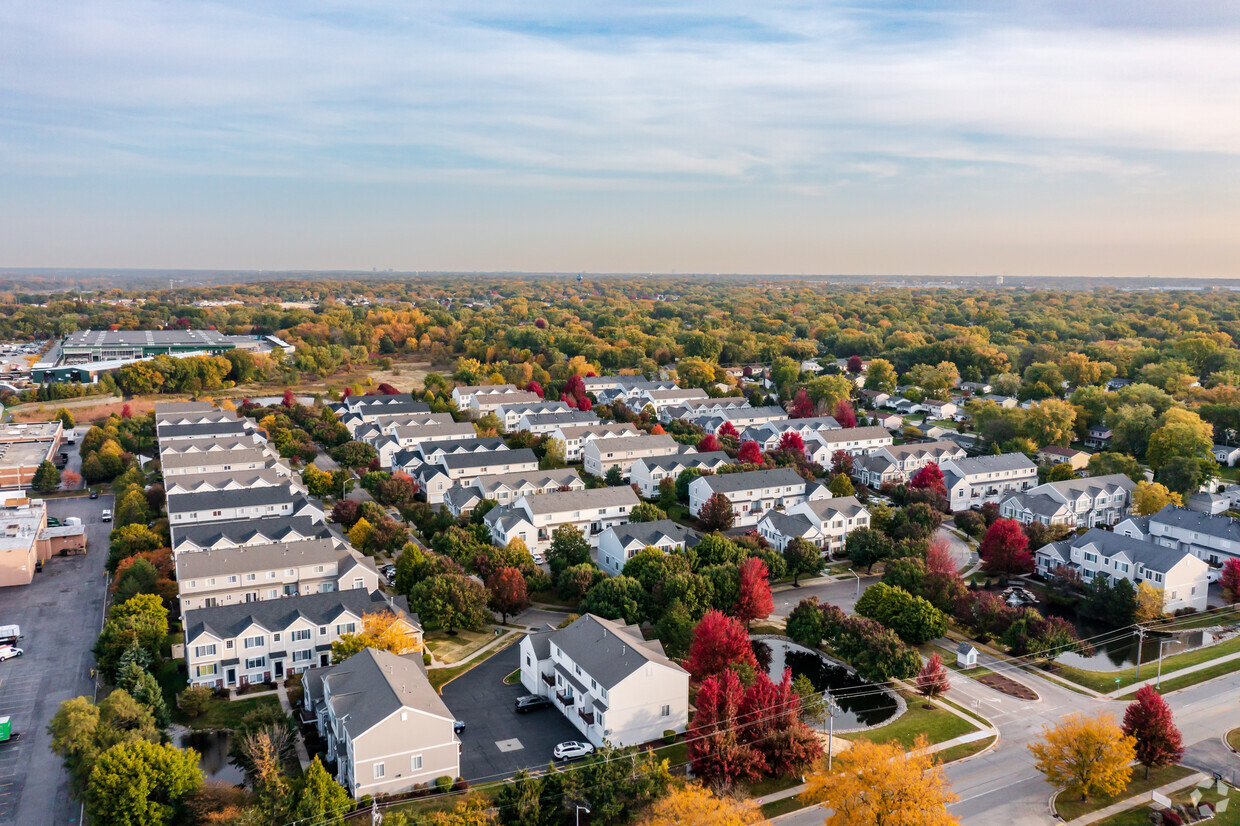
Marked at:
<point>103,345</point>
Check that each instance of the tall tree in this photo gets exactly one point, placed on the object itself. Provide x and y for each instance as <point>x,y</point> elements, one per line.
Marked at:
<point>750,453</point>
<point>46,478</point>
<point>383,630</point>
<point>507,592</point>
<point>1229,580</point>
<point>844,413</point>
<point>696,805</point>
<point>716,513</point>
<point>755,600</point>
<point>1090,755</point>
<point>716,749</point>
<point>1148,721</point>
<point>1005,549</point>
<point>932,681</point>
<point>1151,497</point>
<point>141,784</point>
<point>803,557</point>
<point>718,641</point>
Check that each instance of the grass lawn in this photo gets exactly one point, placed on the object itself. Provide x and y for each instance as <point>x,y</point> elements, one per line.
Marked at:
<point>430,805</point>
<point>1176,683</point>
<point>782,807</point>
<point>935,723</point>
<point>1138,816</point>
<point>1070,806</point>
<point>1233,738</point>
<point>676,754</point>
<point>223,714</point>
<point>551,598</point>
<point>963,750</point>
<point>770,785</point>
<point>1104,681</point>
<point>513,678</point>
<point>439,677</point>
<point>449,648</point>
<point>964,710</point>
<point>680,513</point>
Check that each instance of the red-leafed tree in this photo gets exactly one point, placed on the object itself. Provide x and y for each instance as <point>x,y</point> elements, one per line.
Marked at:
<point>750,453</point>
<point>534,387</point>
<point>932,680</point>
<point>657,430</point>
<point>716,750</point>
<point>585,404</point>
<point>506,592</point>
<point>1229,580</point>
<point>1148,719</point>
<point>770,718</point>
<point>540,323</point>
<point>386,389</point>
<point>844,413</point>
<point>728,429</point>
<point>792,441</point>
<point>716,513</point>
<point>939,559</point>
<point>754,600</point>
<point>708,443</point>
<point>718,641</point>
<point>570,401</point>
<point>1005,549</point>
<point>288,400</point>
<point>841,462</point>
<point>802,405</point>
<point>126,413</point>
<point>929,477</point>
<point>855,364</point>
<point>575,388</point>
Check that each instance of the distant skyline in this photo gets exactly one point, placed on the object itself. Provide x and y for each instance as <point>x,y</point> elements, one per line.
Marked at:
<point>1052,138</point>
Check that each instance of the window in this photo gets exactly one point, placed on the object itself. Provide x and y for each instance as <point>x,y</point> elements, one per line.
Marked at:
<point>345,628</point>
<point>255,662</point>
<point>380,770</point>
<point>228,644</point>
<point>254,642</point>
<point>204,650</point>
<point>301,634</point>
<point>666,711</point>
<point>251,577</point>
<point>415,763</point>
<point>205,670</point>
<point>275,637</point>
<point>232,579</point>
<point>322,630</point>
<point>302,656</point>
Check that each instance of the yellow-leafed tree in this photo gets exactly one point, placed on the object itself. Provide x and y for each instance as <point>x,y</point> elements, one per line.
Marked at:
<point>694,805</point>
<point>380,629</point>
<point>1149,602</point>
<point>1151,497</point>
<point>879,784</point>
<point>1089,755</point>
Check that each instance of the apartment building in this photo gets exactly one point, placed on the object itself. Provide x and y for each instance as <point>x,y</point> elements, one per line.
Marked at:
<point>740,418</point>
<point>1213,539</point>
<point>277,475</point>
<point>659,400</point>
<point>505,488</point>
<point>898,463</point>
<point>1077,503</point>
<point>533,518</point>
<point>575,436</point>
<point>233,505</point>
<point>648,473</point>
<point>219,429</point>
<point>753,493</point>
<point>464,396</point>
<point>231,461</point>
<point>430,453</point>
<point>619,544</point>
<point>510,414</point>
<point>600,455</point>
<point>541,424</point>
<point>459,467</point>
<point>973,482</point>
<point>768,434</point>
<point>405,437</point>
<point>822,522</point>
<point>275,530</point>
<point>822,445</point>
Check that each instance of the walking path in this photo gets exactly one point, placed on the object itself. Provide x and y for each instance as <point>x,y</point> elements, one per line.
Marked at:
<point>493,644</point>
<point>1132,802</point>
<point>303,756</point>
<point>1119,692</point>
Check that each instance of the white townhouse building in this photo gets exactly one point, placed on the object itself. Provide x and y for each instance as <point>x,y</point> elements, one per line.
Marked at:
<point>618,545</point>
<point>533,518</point>
<point>230,461</point>
<point>822,522</point>
<point>277,475</point>
<point>543,423</point>
<point>754,492</point>
<point>506,488</point>
<point>429,453</point>
<point>360,422</point>
<point>601,455</point>
<point>461,467</point>
<point>464,396</point>
<point>170,410</point>
<point>220,429</point>
<point>273,530</point>
<point>821,445</point>
<point>1226,455</point>
<point>740,418</point>
<point>936,409</point>
<point>258,572</point>
<point>648,473</point>
<point>625,389</point>
<point>489,401</point>
<point>380,404</point>
<point>659,400</point>
<point>612,684</point>
<point>253,642</point>
<point>698,408</point>
<point>510,414</point>
<point>1077,503</point>
<point>408,437</point>
<point>225,444</point>
<point>232,505</point>
<point>1213,539</point>
<point>898,463</point>
<point>574,437</point>
<point>384,725</point>
<point>1180,576</point>
<point>768,434</point>
<point>975,481</point>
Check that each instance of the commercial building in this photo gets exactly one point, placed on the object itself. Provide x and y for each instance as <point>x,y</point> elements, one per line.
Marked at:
<point>102,345</point>
<point>23,447</point>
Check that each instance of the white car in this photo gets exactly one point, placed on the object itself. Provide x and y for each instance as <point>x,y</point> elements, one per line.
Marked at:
<point>572,750</point>
<point>10,651</point>
<point>106,516</point>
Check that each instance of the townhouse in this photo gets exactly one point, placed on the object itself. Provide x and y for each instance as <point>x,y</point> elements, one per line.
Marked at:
<point>488,400</point>
<point>822,445</point>
<point>379,404</point>
<point>205,536</point>
<point>700,408</point>
<point>574,437</point>
<point>936,409</point>
<point>510,414</point>
<point>430,453</point>
<point>276,476</point>
<point>973,482</point>
<point>1178,574</point>
<point>533,518</point>
<point>1056,455</point>
<point>1077,503</point>
<point>203,448</point>
<point>543,423</point>
<point>403,437</point>
<point>625,389</point>
<point>659,400</point>
<point>505,488</point>
<point>257,572</point>
<point>464,396</point>
<point>619,544</point>
<point>358,418</point>
<point>383,724</point>
<point>233,505</point>
<point>203,414</point>
<point>600,455</point>
<point>754,492</point>
<point>435,479</point>
<point>221,429</point>
<point>822,522</point>
<point>898,463</point>
<point>253,642</point>
<point>1213,539</point>
<point>768,434</point>
<point>648,473</point>
<point>740,418</point>
<point>607,680</point>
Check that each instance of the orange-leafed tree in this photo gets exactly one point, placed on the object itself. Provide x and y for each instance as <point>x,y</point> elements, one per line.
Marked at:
<point>1089,755</point>
<point>695,805</point>
<point>380,629</point>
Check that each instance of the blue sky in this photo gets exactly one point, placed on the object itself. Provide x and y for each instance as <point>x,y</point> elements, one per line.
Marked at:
<point>1057,138</point>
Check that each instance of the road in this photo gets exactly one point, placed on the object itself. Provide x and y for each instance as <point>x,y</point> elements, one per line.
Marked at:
<point>843,593</point>
<point>962,552</point>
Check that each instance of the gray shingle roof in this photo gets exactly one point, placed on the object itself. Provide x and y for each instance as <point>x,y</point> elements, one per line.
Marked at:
<point>711,459</point>
<point>921,449</point>
<point>425,432</point>
<point>788,524</point>
<point>227,621</point>
<point>852,434</point>
<point>608,650</point>
<point>1222,527</point>
<point>726,483</point>
<point>824,509</point>
<point>1153,556</point>
<point>628,444</point>
<point>652,533</point>
<point>205,429</point>
<point>261,558</point>
<point>601,429</point>
<point>563,418</point>
<point>475,445</point>
<point>572,500</point>
<point>539,478</point>
<point>1040,505</point>
<point>458,461</point>
<point>996,463</point>
<point>1093,485</point>
<point>372,685</point>
<point>269,530</point>
<point>225,499</point>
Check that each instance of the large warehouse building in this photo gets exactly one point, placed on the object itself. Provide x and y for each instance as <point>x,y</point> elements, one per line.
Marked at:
<point>109,345</point>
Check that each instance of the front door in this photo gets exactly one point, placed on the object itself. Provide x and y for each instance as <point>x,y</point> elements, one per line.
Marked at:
<point>279,666</point>
<point>230,677</point>
<point>324,659</point>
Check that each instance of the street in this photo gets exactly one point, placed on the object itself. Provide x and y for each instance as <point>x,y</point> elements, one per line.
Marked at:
<point>843,593</point>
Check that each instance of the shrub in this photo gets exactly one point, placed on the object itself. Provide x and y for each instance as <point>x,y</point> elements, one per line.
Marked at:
<point>444,784</point>
<point>195,700</point>
<point>669,736</point>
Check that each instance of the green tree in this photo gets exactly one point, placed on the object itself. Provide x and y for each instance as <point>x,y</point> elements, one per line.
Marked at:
<point>619,597</point>
<point>803,557</point>
<point>880,376</point>
<point>619,782</point>
<point>143,687</point>
<point>1106,463</point>
<point>675,630</point>
<point>46,478</point>
<point>66,418</point>
<point>141,784</point>
<point>318,795</point>
<point>130,540</point>
<point>646,512</point>
<point>716,513</point>
<point>865,546</point>
<point>613,477</point>
<point>569,547</point>
<point>553,453</point>
<point>451,601</point>
<point>805,624</point>
<point>841,485</point>
<point>667,493</point>
<point>133,509</point>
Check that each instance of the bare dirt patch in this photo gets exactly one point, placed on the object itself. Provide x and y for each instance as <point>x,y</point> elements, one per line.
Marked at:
<point>1009,687</point>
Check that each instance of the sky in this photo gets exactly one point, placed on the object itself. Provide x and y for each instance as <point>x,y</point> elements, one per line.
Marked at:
<point>1053,138</point>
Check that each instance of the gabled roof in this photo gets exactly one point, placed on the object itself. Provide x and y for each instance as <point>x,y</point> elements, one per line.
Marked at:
<point>1040,505</point>
<point>465,461</point>
<point>268,530</point>
<point>1092,486</point>
<point>573,500</point>
<point>605,430</point>
<point>921,450</point>
<point>470,445</point>
<point>630,444</point>
<point>608,650</point>
<point>487,485</point>
<point>261,558</point>
<point>851,434</point>
<point>228,621</point>
<point>424,432</point>
<point>226,499</point>
<point>562,418</point>
<point>474,389</point>
<point>372,685</point>
<point>726,483</point>
<point>789,524</point>
<point>825,509</point>
<point>1153,556</point>
<point>540,406</point>
<point>1221,527</point>
<point>711,459</point>
<point>646,534</point>
<point>993,463</point>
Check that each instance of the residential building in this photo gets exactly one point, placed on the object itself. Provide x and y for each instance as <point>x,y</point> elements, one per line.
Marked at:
<point>223,429</point>
<point>371,426</point>
<point>356,417</point>
<point>393,403</point>
<point>822,445</point>
<point>405,437</point>
<point>822,522</point>
<point>1006,402</point>
<point>648,473</point>
<point>936,409</point>
<point>232,505</point>
<point>740,418</point>
<point>768,434</point>
<point>533,518</point>
<point>226,461</point>
<point>1226,455</point>
<point>459,467</point>
<point>225,444</point>
<point>874,398</point>
<point>383,724</point>
<point>625,389</point>
<point>658,400</point>
<point>898,463</point>
<point>1098,436</point>
<point>1077,503</point>
<point>273,530</point>
<point>254,642</point>
<point>575,436</point>
<point>510,414</point>
<point>277,475</point>
<point>167,414</point>
<point>1056,455</point>
<point>489,400</point>
<point>464,396</point>
<point>619,544</point>
<point>601,455</point>
<point>1180,576</point>
<point>890,421</point>
<point>1208,502</point>
<point>543,423</point>
<point>505,488</point>
<point>607,680</point>
<point>753,493</point>
<point>972,483</point>
<point>1213,539</point>
<point>432,452</point>
<point>257,572</point>
<point>698,408</point>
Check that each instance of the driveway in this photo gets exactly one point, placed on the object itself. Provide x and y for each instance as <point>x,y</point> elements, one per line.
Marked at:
<point>498,742</point>
<point>843,593</point>
<point>60,614</point>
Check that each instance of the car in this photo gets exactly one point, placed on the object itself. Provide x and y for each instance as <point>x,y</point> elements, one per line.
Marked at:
<point>1213,575</point>
<point>94,494</point>
<point>531,702</point>
<point>106,515</point>
<point>10,651</point>
<point>458,726</point>
<point>538,557</point>
<point>572,750</point>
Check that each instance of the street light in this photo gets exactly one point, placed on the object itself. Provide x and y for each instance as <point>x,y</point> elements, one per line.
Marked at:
<point>832,707</point>
<point>1161,643</point>
<point>581,809</point>
<point>858,576</point>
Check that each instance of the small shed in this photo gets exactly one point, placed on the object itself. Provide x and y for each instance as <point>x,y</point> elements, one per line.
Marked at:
<point>966,655</point>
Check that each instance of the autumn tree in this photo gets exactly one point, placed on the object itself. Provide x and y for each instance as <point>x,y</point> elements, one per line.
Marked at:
<point>1088,754</point>
<point>802,405</point>
<point>718,641</point>
<point>841,486</point>
<point>791,442</point>
<point>507,592</point>
<point>1148,721</point>
<point>709,443</point>
<point>754,601</point>
<point>1149,602</point>
<point>716,513</point>
<point>932,680</point>
<point>1229,580</point>
<point>750,453</point>
<point>803,557</point>
<point>383,630</point>
<point>844,413</point>
<point>1151,497</point>
<point>929,477</point>
<point>880,784</point>
<point>1005,549</point>
<point>939,559</point>
<point>696,805</point>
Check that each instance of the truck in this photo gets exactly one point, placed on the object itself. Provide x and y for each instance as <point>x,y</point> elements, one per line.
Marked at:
<point>10,634</point>
<point>71,436</point>
<point>7,735</point>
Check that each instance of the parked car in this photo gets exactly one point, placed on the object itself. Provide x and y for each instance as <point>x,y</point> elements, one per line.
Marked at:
<point>94,494</point>
<point>1213,575</point>
<point>572,750</point>
<point>458,726</point>
<point>531,702</point>
<point>106,515</point>
<point>10,651</point>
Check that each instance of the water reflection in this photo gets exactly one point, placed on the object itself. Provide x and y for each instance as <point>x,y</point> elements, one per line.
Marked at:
<point>213,748</point>
<point>869,707</point>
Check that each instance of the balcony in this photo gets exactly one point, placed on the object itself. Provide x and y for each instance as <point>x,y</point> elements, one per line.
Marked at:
<point>565,699</point>
<point>549,680</point>
<point>586,716</point>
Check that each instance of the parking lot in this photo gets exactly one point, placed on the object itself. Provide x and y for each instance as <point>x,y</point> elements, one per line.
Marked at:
<point>60,613</point>
<point>497,741</point>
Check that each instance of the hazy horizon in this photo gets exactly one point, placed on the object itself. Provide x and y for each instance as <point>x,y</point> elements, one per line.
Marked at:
<point>1036,139</point>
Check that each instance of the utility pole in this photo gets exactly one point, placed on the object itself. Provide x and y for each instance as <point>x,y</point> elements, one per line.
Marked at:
<point>1161,643</point>
<point>1140,643</point>
<point>832,707</point>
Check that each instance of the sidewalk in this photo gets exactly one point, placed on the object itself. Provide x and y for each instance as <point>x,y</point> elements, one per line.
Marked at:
<point>299,744</point>
<point>1137,800</point>
<point>1120,692</point>
<point>502,638</point>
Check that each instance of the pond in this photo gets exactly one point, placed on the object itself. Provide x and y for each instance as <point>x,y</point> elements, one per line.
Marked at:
<point>213,747</point>
<point>1115,649</point>
<point>861,703</point>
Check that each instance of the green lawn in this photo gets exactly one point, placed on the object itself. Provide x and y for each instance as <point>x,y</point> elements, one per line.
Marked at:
<point>1176,683</point>
<point>514,678</point>
<point>1233,738</point>
<point>935,723</point>
<point>963,750</point>
<point>1070,806</point>
<point>427,806</point>
<point>770,785</point>
<point>439,677</point>
<point>782,807</point>
<point>676,754</point>
<point>1104,681</point>
<point>1139,816</point>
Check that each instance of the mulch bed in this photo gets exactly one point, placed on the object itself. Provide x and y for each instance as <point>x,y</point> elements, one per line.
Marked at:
<point>1009,687</point>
